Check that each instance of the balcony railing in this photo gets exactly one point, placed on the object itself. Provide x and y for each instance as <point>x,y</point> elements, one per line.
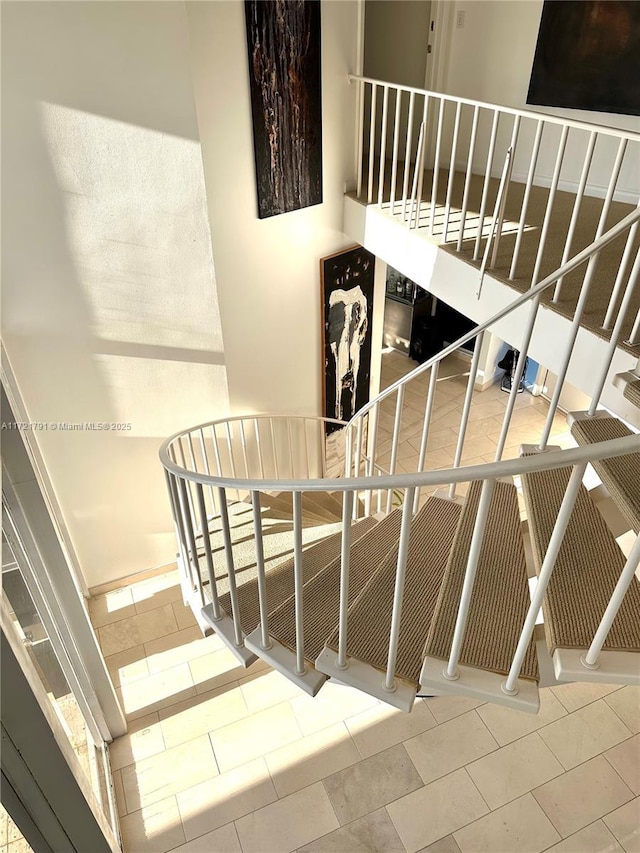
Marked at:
<point>515,191</point>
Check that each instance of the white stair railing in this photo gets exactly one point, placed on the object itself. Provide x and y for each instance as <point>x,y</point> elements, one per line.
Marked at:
<point>469,138</point>
<point>230,456</point>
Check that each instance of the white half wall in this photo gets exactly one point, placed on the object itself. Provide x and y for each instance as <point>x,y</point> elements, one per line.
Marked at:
<point>110,312</point>
<point>268,271</point>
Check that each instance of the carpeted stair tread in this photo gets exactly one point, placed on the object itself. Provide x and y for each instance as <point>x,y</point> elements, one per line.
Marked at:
<point>620,475</point>
<point>281,504</point>
<point>369,623</point>
<point>321,594</point>
<point>632,392</point>
<point>319,506</point>
<point>329,503</point>
<point>277,543</point>
<point>500,597</point>
<point>280,584</point>
<point>587,569</point>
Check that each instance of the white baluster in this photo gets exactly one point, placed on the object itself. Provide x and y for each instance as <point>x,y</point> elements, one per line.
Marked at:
<point>265,640</point>
<point>360,134</point>
<point>452,171</point>
<point>256,429</point>
<point>394,156</point>
<point>231,569</point>
<point>527,193</point>
<point>191,539</point>
<point>550,200</point>
<point>590,660</point>
<point>383,144</point>
<point>436,167</point>
<point>469,173</point>
<point>300,668</point>
<point>206,541</point>
<point>451,670</point>
<point>345,557</point>
<point>407,154</point>
<point>504,190</point>
<point>372,142</point>
<point>466,408</point>
<point>510,687</point>
<point>274,449</point>
<point>243,441</point>
<point>389,684</point>
<point>422,158</point>
<point>414,186</point>
<point>394,440</point>
<point>576,209</point>
<point>372,441</point>
<point>487,183</point>
<point>428,411</point>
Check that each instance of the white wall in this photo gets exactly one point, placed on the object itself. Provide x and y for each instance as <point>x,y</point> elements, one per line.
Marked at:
<point>110,311</point>
<point>267,271</point>
<point>488,370</point>
<point>490,60</point>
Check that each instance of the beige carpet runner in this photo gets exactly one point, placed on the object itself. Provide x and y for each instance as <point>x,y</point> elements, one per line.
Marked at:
<point>620,475</point>
<point>500,595</point>
<point>632,392</point>
<point>280,584</point>
<point>277,542</point>
<point>321,594</point>
<point>586,572</point>
<point>369,624</point>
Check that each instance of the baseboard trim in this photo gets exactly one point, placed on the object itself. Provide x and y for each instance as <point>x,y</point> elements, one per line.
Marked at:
<point>128,580</point>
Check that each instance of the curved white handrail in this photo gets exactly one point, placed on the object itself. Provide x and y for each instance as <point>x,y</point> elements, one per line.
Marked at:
<point>439,477</point>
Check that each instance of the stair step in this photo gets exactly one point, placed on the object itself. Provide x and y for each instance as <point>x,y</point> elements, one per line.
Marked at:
<point>500,597</point>
<point>587,569</point>
<point>281,506</point>
<point>632,392</point>
<point>620,475</point>
<point>369,624</point>
<point>280,584</point>
<point>321,593</point>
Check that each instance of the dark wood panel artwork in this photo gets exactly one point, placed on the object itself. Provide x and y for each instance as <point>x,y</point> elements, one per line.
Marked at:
<point>588,56</point>
<point>347,299</point>
<point>285,75</point>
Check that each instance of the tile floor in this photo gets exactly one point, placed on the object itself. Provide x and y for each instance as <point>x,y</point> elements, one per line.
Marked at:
<point>219,758</point>
<point>11,840</point>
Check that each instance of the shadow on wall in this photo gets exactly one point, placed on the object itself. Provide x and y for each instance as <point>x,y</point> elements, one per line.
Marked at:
<point>110,307</point>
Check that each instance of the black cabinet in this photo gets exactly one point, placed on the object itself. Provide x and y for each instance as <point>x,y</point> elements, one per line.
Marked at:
<point>400,318</point>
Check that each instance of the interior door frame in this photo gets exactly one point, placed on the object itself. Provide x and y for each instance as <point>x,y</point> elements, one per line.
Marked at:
<point>440,32</point>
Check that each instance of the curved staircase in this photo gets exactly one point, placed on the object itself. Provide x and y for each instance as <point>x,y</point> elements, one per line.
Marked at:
<point>391,581</point>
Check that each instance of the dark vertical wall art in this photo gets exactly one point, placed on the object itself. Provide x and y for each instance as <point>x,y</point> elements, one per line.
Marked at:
<point>347,298</point>
<point>284,69</point>
<point>588,56</point>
